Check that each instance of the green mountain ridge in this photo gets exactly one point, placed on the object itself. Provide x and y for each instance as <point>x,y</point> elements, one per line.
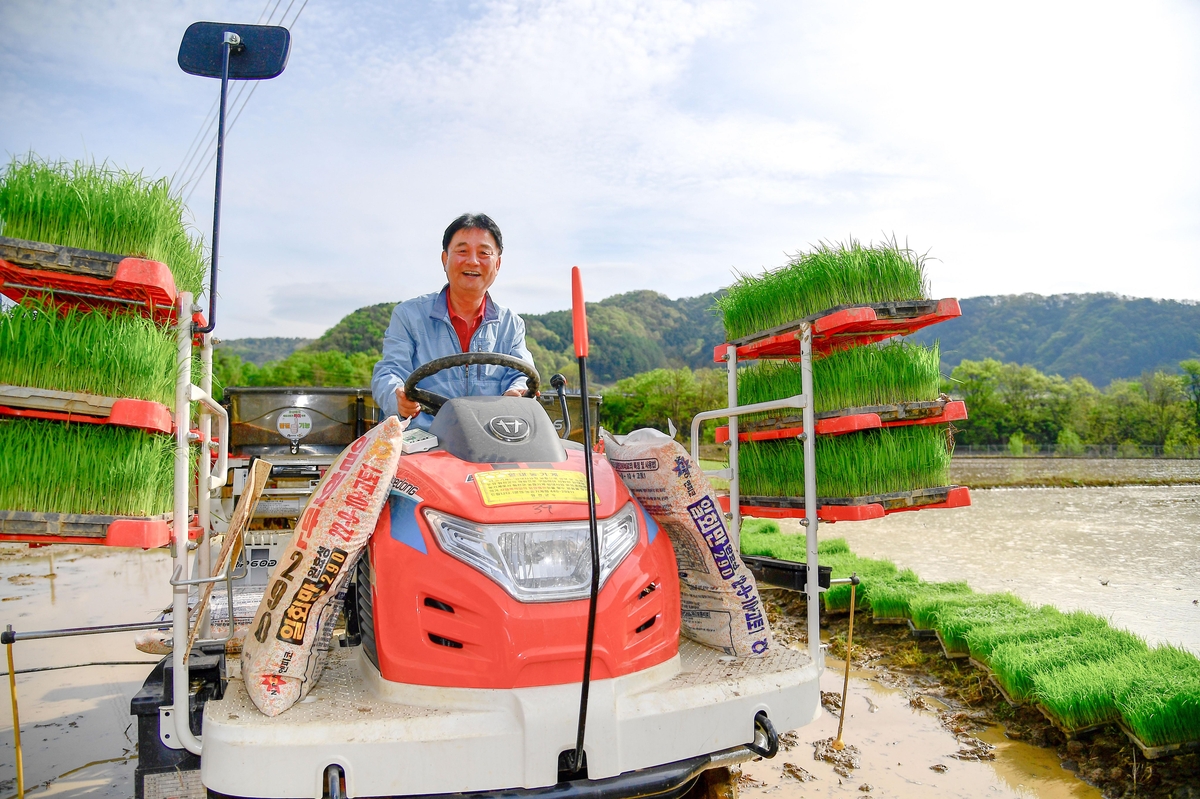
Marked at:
<point>1100,337</point>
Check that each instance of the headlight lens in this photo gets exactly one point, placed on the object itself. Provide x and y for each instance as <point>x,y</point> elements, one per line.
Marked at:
<point>540,562</point>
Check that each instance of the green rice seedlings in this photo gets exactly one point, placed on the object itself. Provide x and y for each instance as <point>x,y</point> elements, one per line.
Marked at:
<point>954,622</point>
<point>1045,622</point>
<point>891,599</point>
<point>91,352</point>
<point>861,464</point>
<point>885,374</point>
<point>98,207</point>
<point>929,607</point>
<point>1016,664</point>
<point>869,570</point>
<point>55,467</point>
<point>788,546</point>
<point>752,526</point>
<point>1160,704</point>
<point>829,276</point>
<point>1083,695</point>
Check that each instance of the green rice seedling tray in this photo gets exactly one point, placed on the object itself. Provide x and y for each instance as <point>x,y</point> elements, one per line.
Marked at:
<point>951,654</point>
<point>850,420</point>
<point>66,406</point>
<point>70,276</point>
<point>1003,691</point>
<point>73,528</point>
<point>854,509</point>
<point>1065,729</point>
<point>920,632</point>
<point>842,327</point>
<point>1155,752</point>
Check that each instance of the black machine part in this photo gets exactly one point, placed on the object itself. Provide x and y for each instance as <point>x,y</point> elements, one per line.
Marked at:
<point>432,402</point>
<point>559,384</point>
<point>785,573</point>
<point>497,430</point>
<point>207,671</point>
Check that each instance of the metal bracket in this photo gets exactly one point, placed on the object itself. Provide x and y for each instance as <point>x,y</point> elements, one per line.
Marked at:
<point>166,727</point>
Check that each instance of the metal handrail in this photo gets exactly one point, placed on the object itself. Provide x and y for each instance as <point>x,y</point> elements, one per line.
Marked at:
<point>210,407</point>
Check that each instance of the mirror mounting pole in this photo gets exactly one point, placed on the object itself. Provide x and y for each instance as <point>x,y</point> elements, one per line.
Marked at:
<point>231,42</point>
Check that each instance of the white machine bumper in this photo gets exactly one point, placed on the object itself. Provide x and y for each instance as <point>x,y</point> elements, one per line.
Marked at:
<point>395,739</point>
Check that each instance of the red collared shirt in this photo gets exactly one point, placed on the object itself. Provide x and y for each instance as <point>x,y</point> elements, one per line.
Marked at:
<point>466,328</point>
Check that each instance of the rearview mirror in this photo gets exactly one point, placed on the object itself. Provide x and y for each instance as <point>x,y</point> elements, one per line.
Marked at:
<point>261,54</point>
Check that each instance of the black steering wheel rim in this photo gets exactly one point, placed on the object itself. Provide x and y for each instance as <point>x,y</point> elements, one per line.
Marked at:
<point>431,402</point>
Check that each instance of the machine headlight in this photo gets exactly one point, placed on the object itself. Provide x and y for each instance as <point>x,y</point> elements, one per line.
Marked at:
<point>539,562</point>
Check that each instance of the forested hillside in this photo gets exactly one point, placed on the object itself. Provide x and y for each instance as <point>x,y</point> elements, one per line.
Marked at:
<point>1101,337</point>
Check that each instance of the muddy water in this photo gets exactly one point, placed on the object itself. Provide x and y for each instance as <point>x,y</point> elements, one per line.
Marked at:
<point>905,753</point>
<point>1130,553</point>
<point>76,732</point>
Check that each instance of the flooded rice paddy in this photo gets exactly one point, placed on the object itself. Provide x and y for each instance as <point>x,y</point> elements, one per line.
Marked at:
<point>1129,553</point>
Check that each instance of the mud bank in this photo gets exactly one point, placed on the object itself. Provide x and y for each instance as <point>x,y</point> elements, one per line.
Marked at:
<point>925,726</point>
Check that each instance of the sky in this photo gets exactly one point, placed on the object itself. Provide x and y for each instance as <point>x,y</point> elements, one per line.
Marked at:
<point>1042,147</point>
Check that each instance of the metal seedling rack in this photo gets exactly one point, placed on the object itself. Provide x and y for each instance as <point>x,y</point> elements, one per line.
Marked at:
<point>835,329</point>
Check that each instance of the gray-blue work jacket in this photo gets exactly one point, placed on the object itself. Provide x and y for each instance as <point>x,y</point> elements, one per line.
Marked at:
<point>420,331</point>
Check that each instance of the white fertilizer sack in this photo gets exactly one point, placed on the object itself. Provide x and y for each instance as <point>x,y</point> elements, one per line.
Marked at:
<point>719,600</point>
<point>285,649</point>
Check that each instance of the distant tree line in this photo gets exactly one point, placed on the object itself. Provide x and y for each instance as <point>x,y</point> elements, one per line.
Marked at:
<point>1008,404</point>
<point>1019,406</point>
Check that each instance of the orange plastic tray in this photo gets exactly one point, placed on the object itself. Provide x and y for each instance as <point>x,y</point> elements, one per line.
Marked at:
<point>69,276</point>
<point>843,328</point>
<point>63,406</point>
<point>68,528</point>
<point>845,422</point>
<point>853,509</point>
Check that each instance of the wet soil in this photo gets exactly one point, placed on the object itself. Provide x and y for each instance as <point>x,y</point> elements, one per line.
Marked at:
<point>1026,755</point>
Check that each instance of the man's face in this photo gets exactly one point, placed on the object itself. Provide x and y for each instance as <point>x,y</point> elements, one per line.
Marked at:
<point>472,261</point>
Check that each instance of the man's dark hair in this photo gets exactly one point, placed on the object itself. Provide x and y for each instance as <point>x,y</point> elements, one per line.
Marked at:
<point>478,221</point>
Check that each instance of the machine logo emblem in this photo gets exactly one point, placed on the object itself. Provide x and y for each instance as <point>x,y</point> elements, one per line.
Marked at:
<point>509,428</point>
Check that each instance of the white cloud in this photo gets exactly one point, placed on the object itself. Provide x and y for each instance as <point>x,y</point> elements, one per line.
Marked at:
<point>1029,147</point>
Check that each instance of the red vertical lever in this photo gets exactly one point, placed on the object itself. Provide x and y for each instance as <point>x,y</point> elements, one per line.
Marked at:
<point>578,314</point>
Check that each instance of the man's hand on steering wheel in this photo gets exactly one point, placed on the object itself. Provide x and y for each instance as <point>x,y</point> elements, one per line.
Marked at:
<point>406,407</point>
<point>412,395</point>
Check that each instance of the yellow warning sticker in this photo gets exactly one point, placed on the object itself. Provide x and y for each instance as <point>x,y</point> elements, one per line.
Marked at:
<point>517,486</point>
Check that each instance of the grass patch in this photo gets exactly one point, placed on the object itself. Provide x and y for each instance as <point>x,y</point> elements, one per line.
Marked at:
<point>1017,664</point>
<point>871,462</point>
<point>830,275</point>
<point>83,468</point>
<point>98,207</point>
<point>872,375</point>
<point>93,352</point>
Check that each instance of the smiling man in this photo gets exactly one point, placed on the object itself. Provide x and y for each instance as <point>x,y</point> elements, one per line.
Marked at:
<point>462,317</point>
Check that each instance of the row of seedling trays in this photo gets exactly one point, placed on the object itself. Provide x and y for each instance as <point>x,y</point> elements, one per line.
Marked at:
<point>88,356</point>
<point>883,427</point>
<point>1080,672</point>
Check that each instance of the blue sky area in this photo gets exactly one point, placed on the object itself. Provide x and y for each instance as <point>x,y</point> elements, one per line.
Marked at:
<point>1027,147</point>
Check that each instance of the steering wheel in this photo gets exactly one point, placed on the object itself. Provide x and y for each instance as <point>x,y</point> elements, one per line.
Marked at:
<point>431,403</point>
